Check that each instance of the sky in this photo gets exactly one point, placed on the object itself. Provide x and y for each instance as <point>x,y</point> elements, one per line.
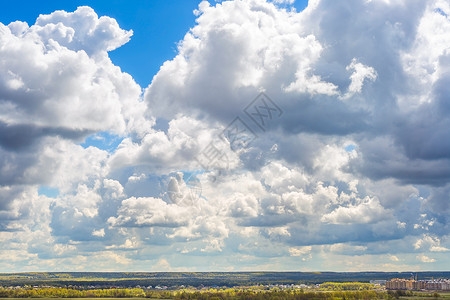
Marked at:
<point>236,135</point>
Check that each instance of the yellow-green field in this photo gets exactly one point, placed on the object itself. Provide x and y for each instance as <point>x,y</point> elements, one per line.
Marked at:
<point>80,298</point>
<point>425,296</point>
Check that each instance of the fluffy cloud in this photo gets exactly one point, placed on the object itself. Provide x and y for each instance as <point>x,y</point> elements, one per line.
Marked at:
<point>299,251</point>
<point>149,212</point>
<point>81,30</point>
<point>58,86</point>
<point>55,85</point>
<point>55,88</point>
<point>433,244</point>
<point>425,259</point>
<point>368,211</point>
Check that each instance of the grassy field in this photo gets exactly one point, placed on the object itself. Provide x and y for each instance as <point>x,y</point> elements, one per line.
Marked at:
<point>425,296</point>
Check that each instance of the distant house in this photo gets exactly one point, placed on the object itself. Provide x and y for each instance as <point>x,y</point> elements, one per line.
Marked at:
<point>411,284</point>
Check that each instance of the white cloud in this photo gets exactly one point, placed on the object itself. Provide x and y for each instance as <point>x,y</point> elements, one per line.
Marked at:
<point>401,224</point>
<point>128,244</point>
<point>393,258</point>
<point>425,259</point>
<point>56,91</point>
<point>303,252</point>
<point>369,211</point>
<point>359,75</point>
<point>82,30</point>
<point>99,232</point>
<point>431,243</point>
<point>177,149</point>
<point>91,93</point>
<point>438,249</point>
<point>149,211</point>
<point>243,205</point>
<point>342,248</point>
<point>246,45</point>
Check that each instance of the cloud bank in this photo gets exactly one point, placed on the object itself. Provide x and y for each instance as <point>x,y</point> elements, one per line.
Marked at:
<point>354,169</point>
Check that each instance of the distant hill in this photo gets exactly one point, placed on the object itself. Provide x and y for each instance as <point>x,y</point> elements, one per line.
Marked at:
<point>131,279</point>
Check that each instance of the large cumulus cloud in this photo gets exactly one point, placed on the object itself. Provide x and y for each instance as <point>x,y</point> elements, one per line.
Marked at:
<point>54,87</point>
<point>57,87</point>
<point>363,113</point>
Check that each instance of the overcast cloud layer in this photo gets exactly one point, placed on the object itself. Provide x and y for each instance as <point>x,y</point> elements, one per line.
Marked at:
<point>352,172</point>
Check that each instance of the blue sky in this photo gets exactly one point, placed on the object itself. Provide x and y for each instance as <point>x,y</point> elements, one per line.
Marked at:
<point>157,27</point>
<point>161,151</point>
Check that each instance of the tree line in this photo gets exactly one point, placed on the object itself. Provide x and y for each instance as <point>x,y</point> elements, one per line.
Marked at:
<point>211,294</point>
<point>70,293</point>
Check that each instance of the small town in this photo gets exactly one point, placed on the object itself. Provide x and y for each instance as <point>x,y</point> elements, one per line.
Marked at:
<point>440,284</point>
<point>414,284</point>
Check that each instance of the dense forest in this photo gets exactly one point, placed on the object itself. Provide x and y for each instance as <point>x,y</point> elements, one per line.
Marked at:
<point>229,279</point>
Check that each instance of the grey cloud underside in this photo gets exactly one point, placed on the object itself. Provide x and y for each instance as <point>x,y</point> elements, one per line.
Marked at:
<point>335,118</point>
<point>20,137</point>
